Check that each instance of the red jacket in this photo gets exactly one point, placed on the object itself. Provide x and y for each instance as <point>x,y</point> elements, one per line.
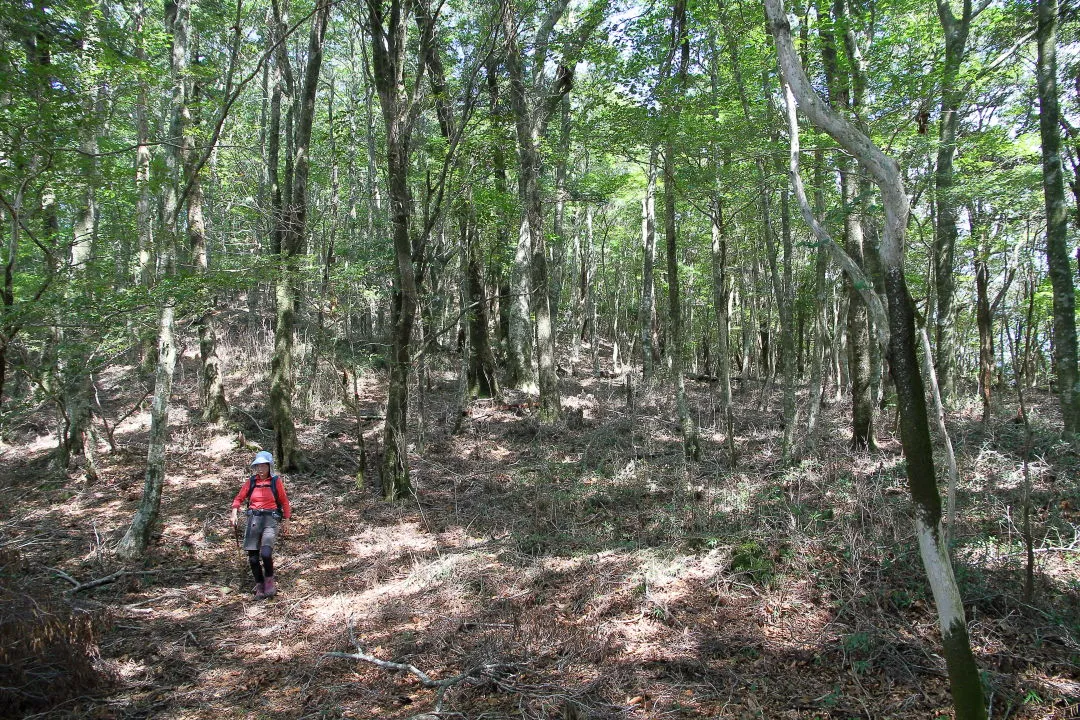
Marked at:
<point>262,497</point>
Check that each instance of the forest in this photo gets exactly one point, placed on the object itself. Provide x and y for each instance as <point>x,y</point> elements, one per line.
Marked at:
<point>679,359</point>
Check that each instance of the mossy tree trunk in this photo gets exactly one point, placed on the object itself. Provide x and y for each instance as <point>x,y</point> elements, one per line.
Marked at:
<point>1057,251</point>
<point>914,426</point>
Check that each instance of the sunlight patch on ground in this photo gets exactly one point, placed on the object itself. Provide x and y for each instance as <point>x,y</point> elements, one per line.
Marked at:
<point>424,579</point>
<point>407,537</point>
<point>219,446</point>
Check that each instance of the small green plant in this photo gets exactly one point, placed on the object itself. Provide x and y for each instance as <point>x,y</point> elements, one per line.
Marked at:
<point>857,642</point>
<point>752,559</point>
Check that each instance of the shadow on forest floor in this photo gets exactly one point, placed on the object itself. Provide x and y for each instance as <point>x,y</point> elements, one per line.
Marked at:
<point>584,571</point>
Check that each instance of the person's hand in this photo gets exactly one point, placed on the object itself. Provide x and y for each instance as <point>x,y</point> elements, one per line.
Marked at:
<point>284,527</point>
<point>234,517</point>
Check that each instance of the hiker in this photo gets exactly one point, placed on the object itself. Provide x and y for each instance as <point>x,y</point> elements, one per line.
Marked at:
<point>268,504</point>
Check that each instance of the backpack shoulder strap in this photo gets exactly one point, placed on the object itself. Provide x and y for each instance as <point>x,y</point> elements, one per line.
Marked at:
<point>251,488</point>
<point>274,490</point>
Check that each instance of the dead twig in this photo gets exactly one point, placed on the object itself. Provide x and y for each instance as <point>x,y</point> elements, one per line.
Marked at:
<point>80,586</point>
<point>441,686</point>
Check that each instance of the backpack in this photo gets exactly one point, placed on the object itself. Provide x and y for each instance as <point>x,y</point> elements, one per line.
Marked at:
<point>273,489</point>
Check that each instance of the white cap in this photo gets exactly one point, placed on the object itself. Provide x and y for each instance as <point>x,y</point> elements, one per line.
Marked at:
<point>263,457</point>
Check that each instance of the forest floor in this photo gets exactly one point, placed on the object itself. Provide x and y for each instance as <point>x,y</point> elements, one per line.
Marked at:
<point>574,571</point>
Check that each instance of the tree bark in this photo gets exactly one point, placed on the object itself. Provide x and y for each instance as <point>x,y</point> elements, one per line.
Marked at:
<point>137,537</point>
<point>292,234</point>
<point>648,263</point>
<point>680,47</point>
<point>530,122</point>
<point>514,302</point>
<point>914,427</point>
<point>215,409</point>
<point>840,97</point>
<point>945,226</point>
<point>1057,253</point>
<point>483,381</point>
<point>388,44</point>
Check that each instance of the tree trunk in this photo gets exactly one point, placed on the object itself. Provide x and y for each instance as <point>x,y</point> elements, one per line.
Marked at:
<point>135,541</point>
<point>144,270</point>
<point>292,234</point>
<point>1057,253</point>
<point>77,436</point>
<point>514,300</point>
<point>914,427</point>
<point>482,379</point>
<point>648,286</point>
<point>530,122</point>
<point>946,220</point>
<point>821,304</point>
<point>840,97</point>
<point>137,537</point>
<point>388,44</point>
<point>680,46</point>
<point>215,409</point>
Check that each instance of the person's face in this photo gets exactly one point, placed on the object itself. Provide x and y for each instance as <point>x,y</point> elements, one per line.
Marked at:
<point>262,470</point>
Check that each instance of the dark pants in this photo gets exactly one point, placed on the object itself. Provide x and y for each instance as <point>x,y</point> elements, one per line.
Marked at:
<point>259,542</point>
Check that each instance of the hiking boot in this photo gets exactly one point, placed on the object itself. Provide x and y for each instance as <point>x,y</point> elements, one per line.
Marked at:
<point>260,591</point>
<point>269,588</point>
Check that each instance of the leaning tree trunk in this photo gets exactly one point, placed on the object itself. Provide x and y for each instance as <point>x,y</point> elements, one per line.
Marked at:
<point>1057,252</point>
<point>914,426</point>
<point>135,541</point>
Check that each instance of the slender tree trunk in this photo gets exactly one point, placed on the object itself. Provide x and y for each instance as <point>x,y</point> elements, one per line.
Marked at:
<point>482,378</point>
<point>946,219</point>
<point>1057,253</point>
<point>215,409</point>
<point>514,298</point>
<point>388,45</point>
<point>862,403</point>
<point>293,238</point>
<point>721,283</point>
<point>75,352</point>
<point>680,48</point>
<point>137,537</point>
<point>144,269</point>
<point>530,122</point>
<point>985,322</point>
<point>648,286</point>
<point>858,335</point>
<point>914,427</point>
<point>821,304</point>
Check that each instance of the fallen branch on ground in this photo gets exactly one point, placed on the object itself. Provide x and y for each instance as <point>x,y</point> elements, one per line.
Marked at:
<point>441,686</point>
<point>80,586</point>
